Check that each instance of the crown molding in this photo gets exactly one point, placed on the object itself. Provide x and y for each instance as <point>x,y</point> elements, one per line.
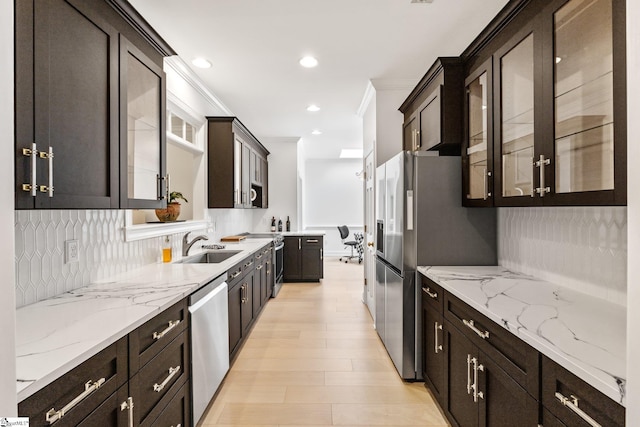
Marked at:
<point>183,70</point>
<point>368,95</point>
<point>394,84</point>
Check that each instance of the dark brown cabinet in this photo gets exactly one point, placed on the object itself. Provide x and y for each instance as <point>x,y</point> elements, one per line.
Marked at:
<point>477,150</point>
<point>237,165</point>
<point>479,391</point>
<point>433,110</point>
<point>99,379</point>
<point>70,135</point>
<point>132,382</point>
<point>247,286</point>
<point>433,367</point>
<point>547,126</point>
<point>572,402</point>
<point>303,258</point>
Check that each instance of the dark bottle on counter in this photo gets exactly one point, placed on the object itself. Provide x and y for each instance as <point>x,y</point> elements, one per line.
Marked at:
<point>279,224</point>
<point>273,224</point>
<point>288,224</point>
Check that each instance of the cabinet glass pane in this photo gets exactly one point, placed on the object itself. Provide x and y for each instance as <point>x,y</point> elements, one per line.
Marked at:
<point>143,130</point>
<point>516,92</point>
<point>477,152</point>
<point>584,96</point>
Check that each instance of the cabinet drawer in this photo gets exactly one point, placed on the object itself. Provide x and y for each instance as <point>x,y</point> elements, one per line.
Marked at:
<point>109,413</point>
<point>432,293</point>
<point>150,338</point>
<point>312,241</point>
<point>108,368</point>
<point>517,358</point>
<point>159,379</point>
<point>177,412</point>
<point>557,383</point>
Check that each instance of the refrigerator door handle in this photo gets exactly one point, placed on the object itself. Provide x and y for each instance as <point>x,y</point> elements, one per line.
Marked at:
<point>409,210</point>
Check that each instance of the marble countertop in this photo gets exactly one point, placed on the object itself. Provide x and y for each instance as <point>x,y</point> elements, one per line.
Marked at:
<point>55,335</point>
<point>584,334</point>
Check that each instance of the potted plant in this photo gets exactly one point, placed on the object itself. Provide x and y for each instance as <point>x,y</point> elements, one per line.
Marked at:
<point>172,211</point>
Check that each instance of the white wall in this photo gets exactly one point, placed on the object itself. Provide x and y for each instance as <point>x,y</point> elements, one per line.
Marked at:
<point>333,196</point>
<point>633,212</point>
<point>7,288</point>
<point>389,96</point>
<point>283,178</point>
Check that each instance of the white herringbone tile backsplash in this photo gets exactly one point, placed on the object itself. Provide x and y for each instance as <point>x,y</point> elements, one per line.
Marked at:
<point>584,248</point>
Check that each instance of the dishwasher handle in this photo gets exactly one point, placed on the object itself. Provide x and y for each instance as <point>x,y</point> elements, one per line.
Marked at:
<point>222,287</point>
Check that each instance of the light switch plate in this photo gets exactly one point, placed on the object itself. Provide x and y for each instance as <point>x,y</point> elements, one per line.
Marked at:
<point>71,251</point>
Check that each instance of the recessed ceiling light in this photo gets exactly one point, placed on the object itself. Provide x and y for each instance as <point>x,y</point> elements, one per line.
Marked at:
<point>316,132</point>
<point>421,1</point>
<point>308,62</point>
<point>351,153</point>
<point>313,107</point>
<point>201,63</point>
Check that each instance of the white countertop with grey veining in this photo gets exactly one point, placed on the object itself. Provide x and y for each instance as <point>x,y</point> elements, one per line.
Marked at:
<point>55,335</point>
<point>585,335</point>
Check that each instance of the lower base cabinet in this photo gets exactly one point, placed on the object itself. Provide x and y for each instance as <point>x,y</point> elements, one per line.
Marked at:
<point>130,383</point>
<point>303,258</point>
<point>484,376</point>
<point>573,402</point>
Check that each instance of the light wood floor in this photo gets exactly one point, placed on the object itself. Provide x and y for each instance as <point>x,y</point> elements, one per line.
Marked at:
<point>314,359</point>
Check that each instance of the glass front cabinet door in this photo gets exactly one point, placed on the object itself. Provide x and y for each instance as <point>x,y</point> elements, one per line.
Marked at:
<point>514,118</point>
<point>477,151</point>
<point>144,183</point>
<point>586,154</point>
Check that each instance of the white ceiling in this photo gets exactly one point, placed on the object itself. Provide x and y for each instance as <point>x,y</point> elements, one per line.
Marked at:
<point>255,45</point>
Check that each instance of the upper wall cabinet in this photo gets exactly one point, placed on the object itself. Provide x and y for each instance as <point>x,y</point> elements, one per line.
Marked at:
<point>72,73</point>
<point>143,110</point>
<point>237,165</point>
<point>477,171</point>
<point>433,110</point>
<point>559,106</point>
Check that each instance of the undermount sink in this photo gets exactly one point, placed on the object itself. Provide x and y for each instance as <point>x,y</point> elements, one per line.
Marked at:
<point>210,257</point>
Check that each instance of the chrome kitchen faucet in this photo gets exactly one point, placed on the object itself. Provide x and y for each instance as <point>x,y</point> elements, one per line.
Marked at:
<point>186,244</point>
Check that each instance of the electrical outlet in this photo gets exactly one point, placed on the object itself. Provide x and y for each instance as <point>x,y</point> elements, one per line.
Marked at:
<point>71,251</point>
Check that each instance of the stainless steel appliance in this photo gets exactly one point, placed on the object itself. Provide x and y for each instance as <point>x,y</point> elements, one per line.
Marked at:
<point>420,221</point>
<point>208,308</point>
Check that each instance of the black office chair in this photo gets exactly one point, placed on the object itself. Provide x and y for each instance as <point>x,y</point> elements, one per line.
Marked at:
<point>353,244</point>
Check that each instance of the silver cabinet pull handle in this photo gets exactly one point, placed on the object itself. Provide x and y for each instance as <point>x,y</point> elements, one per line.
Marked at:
<point>32,153</point>
<point>172,373</point>
<point>89,387</point>
<point>48,155</point>
<point>572,403</point>
<point>468,374</point>
<point>172,324</point>
<point>249,264</point>
<point>312,240</point>
<point>259,256</point>
<point>436,347</point>
<point>128,404</point>
<point>476,367</point>
<point>433,295</point>
<point>299,244</point>
<point>471,325</point>
<point>542,190</point>
<point>236,274</point>
<point>259,267</point>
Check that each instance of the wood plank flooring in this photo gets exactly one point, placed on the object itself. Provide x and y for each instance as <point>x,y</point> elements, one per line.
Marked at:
<point>314,359</point>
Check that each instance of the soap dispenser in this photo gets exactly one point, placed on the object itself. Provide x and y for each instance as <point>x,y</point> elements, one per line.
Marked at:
<point>166,250</point>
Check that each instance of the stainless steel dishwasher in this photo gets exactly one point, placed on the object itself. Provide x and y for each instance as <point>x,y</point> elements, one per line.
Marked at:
<point>208,308</point>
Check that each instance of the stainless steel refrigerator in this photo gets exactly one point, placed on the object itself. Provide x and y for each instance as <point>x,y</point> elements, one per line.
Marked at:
<point>420,221</point>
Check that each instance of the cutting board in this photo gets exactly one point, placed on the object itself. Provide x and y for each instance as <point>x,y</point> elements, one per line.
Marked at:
<point>233,238</point>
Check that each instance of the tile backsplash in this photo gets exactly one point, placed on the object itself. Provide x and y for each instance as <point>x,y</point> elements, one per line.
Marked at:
<point>40,237</point>
<point>584,248</point>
